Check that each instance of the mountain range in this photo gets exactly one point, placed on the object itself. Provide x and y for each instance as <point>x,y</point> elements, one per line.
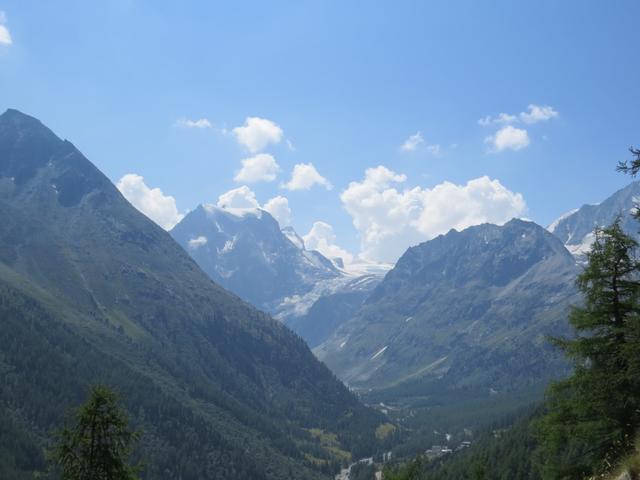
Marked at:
<point>455,308</point>
<point>467,310</point>
<point>247,252</point>
<point>92,291</point>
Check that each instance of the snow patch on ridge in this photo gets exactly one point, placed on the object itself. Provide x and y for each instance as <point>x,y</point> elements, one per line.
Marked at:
<point>293,237</point>
<point>552,227</point>
<point>581,249</point>
<point>380,352</point>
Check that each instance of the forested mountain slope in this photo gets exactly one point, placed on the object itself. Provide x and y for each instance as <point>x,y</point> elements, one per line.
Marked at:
<point>93,291</point>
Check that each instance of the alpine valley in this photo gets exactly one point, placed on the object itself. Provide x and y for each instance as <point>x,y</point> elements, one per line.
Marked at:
<point>452,338</point>
<point>92,291</point>
<point>456,334</point>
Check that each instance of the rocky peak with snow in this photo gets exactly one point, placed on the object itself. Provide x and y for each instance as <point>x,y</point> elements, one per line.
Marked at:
<point>575,228</point>
<point>246,252</point>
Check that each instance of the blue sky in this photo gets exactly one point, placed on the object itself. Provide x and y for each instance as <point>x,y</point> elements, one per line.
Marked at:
<point>346,84</point>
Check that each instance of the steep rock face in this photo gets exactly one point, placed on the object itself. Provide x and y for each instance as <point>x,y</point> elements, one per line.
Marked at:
<point>469,309</point>
<point>332,309</point>
<point>93,291</point>
<point>576,227</point>
<point>247,253</point>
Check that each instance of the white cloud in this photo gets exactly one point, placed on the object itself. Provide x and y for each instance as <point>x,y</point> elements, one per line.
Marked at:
<point>241,198</point>
<point>501,118</point>
<point>390,220</point>
<point>200,123</point>
<point>152,202</point>
<point>538,113</point>
<point>535,113</point>
<point>257,133</point>
<point>279,209</point>
<point>259,168</point>
<point>198,242</point>
<point>415,141</point>
<point>508,138</point>
<point>5,35</point>
<point>434,149</point>
<point>322,238</point>
<point>411,143</point>
<point>304,176</point>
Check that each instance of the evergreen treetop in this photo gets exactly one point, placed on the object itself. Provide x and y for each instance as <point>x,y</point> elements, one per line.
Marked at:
<point>98,445</point>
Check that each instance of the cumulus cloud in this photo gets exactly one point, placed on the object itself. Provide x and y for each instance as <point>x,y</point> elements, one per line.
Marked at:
<point>279,209</point>
<point>198,242</point>
<point>304,176</point>
<point>241,198</point>
<point>390,220</point>
<point>200,123</point>
<point>508,138</point>
<point>322,238</point>
<point>5,35</point>
<point>152,202</point>
<point>257,133</point>
<point>534,114</point>
<point>259,168</point>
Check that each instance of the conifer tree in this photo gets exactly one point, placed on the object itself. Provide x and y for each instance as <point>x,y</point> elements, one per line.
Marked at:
<point>98,446</point>
<point>593,415</point>
<point>631,167</point>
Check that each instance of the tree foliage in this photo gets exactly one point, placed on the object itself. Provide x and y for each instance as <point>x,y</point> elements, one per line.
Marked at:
<point>631,167</point>
<point>592,415</point>
<point>98,446</point>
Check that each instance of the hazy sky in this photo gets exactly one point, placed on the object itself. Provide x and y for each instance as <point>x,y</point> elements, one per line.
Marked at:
<point>463,111</point>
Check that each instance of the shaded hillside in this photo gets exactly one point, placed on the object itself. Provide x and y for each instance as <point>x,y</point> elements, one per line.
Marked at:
<point>93,291</point>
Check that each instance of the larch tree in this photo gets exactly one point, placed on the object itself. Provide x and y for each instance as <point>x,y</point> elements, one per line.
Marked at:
<point>98,445</point>
<point>593,415</point>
